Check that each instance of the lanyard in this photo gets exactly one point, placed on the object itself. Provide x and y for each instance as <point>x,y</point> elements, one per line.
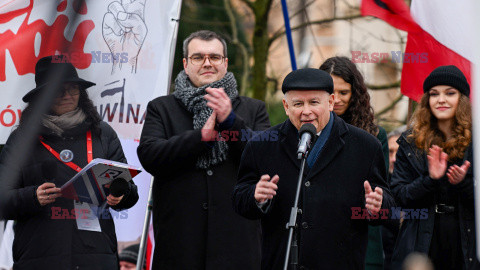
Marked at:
<point>71,164</point>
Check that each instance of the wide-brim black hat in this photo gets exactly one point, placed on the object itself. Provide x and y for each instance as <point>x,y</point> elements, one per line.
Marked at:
<point>49,65</point>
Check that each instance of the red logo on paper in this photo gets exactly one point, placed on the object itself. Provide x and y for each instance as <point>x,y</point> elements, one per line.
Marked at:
<point>110,173</point>
<point>21,45</point>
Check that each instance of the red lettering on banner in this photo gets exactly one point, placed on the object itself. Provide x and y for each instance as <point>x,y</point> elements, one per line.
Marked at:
<point>53,39</point>
<point>80,6</point>
<point>62,6</point>
<point>11,118</point>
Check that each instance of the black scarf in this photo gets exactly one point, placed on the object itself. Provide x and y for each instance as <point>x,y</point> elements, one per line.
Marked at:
<point>192,98</point>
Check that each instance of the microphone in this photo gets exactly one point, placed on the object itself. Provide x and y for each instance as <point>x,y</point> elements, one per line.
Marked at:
<point>307,132</point>
<point>119,187</point>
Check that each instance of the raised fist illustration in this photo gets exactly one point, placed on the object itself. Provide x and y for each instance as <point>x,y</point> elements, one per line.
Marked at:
<point>124,31</point>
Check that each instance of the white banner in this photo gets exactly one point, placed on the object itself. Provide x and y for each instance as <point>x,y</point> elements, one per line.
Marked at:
<point>123,46</point>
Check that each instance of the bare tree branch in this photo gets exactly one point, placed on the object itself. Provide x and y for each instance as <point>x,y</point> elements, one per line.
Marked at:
<point>249,4</point>
<point>204,22</point>
<point>389,107</point>
<point>303,9</point>
<point>240,45</point>
<point>383,86</point>
<point>300,26</point>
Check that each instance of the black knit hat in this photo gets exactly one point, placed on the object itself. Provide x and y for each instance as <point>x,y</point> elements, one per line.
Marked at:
<point>129,254</point>
<point>447,75</point>
<point>308,79</point>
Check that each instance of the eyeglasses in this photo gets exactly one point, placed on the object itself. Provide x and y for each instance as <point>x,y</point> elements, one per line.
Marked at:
<point>70,88</point>
<point>199,59</point>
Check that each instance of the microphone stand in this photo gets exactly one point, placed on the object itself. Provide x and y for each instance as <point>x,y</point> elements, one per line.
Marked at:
<point>291,225</point>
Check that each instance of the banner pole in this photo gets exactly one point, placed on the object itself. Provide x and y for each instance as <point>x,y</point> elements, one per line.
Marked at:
<point>143,243</point>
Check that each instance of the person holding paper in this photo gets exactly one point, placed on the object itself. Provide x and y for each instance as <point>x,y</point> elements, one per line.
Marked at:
<point>52,232</point>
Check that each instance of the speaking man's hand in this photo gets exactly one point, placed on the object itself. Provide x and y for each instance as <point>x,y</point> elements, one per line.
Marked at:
<point>266,188</point>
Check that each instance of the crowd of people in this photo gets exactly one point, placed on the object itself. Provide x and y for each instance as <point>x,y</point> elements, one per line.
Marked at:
<point>221,201</point>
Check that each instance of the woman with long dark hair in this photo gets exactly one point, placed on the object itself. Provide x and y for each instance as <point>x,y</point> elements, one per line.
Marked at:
<point>52,232</point>
<point>433,175</point>
<point>352,104</point>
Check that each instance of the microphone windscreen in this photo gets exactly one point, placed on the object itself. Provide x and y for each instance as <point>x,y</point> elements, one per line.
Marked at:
<point>49,170</point>
<point>308,127</point>
<point>119,187</point>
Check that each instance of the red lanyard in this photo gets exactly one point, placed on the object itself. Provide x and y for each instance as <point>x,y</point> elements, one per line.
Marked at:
<point>71,164</point>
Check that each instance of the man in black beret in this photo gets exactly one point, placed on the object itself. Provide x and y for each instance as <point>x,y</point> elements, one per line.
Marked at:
<point>343,189</point>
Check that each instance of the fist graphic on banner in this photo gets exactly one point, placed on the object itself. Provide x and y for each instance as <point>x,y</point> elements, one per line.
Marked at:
<point>124,30</point>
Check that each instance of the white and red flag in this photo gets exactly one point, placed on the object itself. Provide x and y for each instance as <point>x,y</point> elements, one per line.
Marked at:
<point>438,29</point>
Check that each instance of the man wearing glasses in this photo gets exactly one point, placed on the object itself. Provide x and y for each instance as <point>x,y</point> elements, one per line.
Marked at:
<point>192,142</point>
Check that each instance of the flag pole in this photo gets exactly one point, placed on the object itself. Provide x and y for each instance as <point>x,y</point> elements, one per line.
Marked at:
<point>288,32</point>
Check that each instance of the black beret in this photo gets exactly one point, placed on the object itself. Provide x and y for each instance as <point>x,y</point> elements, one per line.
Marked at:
<point>447,75</point>
<point>308,79</point>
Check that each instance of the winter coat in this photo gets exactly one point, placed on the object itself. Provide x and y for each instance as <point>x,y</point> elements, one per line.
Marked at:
<point>374,255</point>
<point>194,224</point>
<point>331,235</point>
<point>46,237</point>
<point>414,189</point>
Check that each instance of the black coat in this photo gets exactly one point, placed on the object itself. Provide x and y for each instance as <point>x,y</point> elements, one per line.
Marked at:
<point>414,189</point>
<point>329,237</point>
<point>195,226</point>
<point>46,242</point>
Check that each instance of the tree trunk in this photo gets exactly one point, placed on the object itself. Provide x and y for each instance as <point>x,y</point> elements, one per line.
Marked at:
<point>260,49</point>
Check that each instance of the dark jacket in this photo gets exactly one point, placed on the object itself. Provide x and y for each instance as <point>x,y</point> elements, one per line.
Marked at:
<point>330,237</point>
<point>46,241</point>
<point>195,226</point>
<point>414,189</point>
<point>374,254</point>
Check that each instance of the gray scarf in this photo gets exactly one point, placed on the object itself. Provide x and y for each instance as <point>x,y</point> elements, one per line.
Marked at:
<point>192,98</point>
<point>59,123</point>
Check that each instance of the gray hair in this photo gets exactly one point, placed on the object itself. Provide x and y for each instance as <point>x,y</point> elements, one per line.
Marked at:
<point>397,132</point>
<point>205,35</point>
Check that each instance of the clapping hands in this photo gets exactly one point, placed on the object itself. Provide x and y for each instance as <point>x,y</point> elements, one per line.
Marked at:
<point>437,166</point>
